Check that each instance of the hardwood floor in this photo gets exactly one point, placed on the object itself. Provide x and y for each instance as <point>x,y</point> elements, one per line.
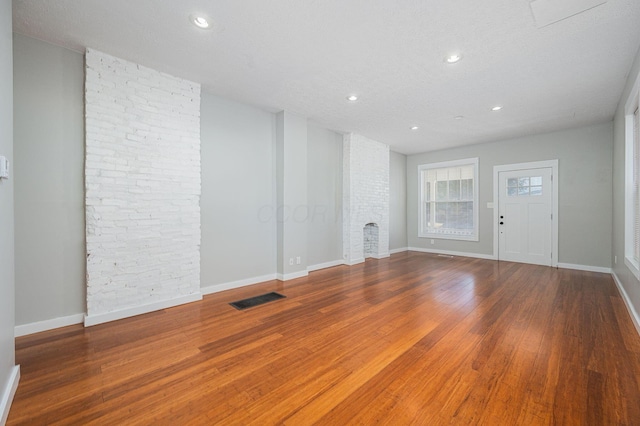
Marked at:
<point>414,339</point>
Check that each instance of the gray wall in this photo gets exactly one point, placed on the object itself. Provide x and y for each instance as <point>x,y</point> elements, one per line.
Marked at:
<point>49,198</point>
<point>291,177</point>
<point>397,201</point>
<point>324,195</point>
<point>626,278</point>
<point>7,359</point>
<point>585,182</point>
<point>238,191</point>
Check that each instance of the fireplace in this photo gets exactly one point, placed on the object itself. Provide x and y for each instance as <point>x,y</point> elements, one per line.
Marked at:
<point>370,234</point>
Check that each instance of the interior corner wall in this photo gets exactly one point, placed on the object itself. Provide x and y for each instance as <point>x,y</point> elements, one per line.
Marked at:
<point>238,193</point>
<point>625,277</point>
<point>324,180</point>
<point>8,370</point>
<point>397,201</point>
<point>142,188</point>
<point>49,180</point>
<point>292,207</point>
<point>585,181</point>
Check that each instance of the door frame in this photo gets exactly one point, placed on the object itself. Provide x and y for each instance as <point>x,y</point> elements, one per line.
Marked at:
<point>553,164</point>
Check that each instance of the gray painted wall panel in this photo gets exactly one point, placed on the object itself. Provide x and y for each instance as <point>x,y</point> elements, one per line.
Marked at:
<point>7,358</point>
<point>238,191</point>
<point>324,179</point>
<point>49,173</point>
<point>397,201</point>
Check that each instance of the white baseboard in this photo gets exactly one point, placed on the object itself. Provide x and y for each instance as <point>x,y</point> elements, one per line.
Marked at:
<point>381,256</point>
<point>587,268</point>
<point>398,250</point>
<point>354,261</point>
<point>8,394</point>
<point>635,318</point>
<point>325,265</point>
<point>454,253</point>
<point>237,284</point>
<point>37,327</point>
<point>90,320</point>
<point>292,276</point>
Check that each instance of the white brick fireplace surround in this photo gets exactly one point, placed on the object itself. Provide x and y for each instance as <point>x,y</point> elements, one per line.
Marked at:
<point>142,179</point>
<point>365,197</point>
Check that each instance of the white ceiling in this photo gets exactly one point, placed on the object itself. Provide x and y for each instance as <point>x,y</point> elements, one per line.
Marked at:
<point>306,56</point>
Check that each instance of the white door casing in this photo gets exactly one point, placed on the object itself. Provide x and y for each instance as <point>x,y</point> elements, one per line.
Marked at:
<point>526,213</point>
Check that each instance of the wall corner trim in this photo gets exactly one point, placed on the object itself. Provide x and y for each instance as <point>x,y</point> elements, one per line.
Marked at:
<point>635,318</point>
<point>37,327</point>
<point>90,320</point>
<point>8,394</point>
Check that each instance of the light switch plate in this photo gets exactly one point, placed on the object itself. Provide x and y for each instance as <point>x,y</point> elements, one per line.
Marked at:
<point>4,168</point>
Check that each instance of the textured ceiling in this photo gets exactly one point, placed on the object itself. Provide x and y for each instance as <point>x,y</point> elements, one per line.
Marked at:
<point>306,56</point>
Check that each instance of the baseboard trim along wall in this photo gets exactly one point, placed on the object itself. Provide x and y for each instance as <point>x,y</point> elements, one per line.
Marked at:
<point>635,318</point>
<point>9,393</point>
<point>587,268</point>
<point>325,265</point>
<point>292,276</point>
<point>90,320</point>
<point>398,250</point>
<point>37,327</point>
<point>453,253</point>
<point>354,261</point>
<point>237,284</point>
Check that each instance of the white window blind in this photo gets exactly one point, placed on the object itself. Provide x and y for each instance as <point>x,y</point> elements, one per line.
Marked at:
<point>449,200</point>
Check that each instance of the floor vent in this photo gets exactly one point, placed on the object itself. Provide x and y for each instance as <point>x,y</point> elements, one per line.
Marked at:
<point>257,300</point>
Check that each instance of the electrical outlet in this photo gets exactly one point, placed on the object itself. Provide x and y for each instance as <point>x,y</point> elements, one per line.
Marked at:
<point>291,261</point>
<point>298,260</point>
<point>433,241</point>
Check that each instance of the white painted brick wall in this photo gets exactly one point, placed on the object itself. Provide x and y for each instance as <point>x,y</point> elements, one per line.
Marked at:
<point>365,194</point>
<point>142,183</point>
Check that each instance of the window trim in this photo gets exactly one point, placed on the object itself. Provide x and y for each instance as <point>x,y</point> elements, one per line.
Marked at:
<point>422,233</point>
<point>631,208</point>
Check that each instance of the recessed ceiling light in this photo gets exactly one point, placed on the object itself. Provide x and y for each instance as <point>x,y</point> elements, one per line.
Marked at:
<point>458,117</point>
<point>415,128</point>
<point>352,98</point>
<point>496,108</point>
<point>452,59</point>
<point>200,21</point>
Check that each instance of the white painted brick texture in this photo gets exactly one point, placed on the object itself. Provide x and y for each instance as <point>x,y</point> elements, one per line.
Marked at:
<point>365,194</point>
<point>142,183</point>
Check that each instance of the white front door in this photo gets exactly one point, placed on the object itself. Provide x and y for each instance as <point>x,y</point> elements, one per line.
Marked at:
<point>525,220</point>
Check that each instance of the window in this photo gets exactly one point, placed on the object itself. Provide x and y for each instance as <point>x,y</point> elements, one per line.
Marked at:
<point>632,181</point>
<point>524,186</point>
<point>449,200</point>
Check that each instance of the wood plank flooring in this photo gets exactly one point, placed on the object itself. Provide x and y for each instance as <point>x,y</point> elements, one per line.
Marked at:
<point>414,339</point>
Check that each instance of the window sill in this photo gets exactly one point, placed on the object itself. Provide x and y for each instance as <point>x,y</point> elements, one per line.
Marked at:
<point>449,237</point>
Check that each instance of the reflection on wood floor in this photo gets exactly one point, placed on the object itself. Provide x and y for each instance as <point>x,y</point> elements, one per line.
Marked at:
<point>414,339</point>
